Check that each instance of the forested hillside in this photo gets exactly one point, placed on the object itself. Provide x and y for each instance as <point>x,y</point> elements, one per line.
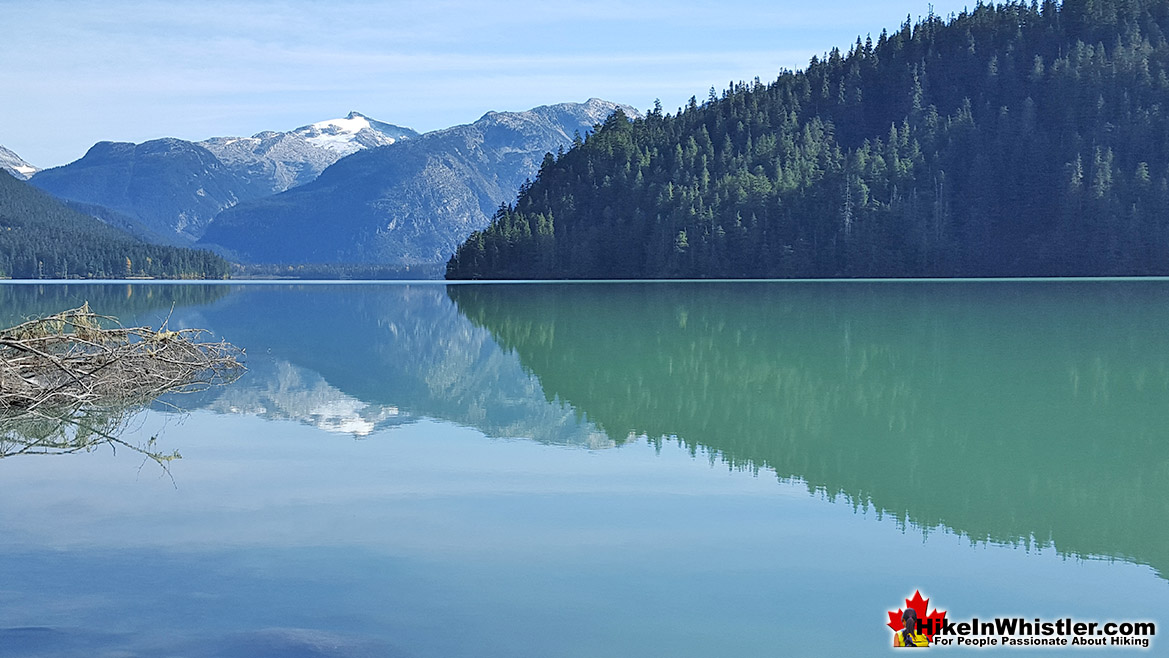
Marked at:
<point>1014,139</point>
<point>41,237</point>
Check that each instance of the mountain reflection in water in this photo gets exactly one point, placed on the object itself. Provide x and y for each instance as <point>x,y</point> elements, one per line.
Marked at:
<point>360,358</point>
<point>1033,413</point>
<point>1024,413</point>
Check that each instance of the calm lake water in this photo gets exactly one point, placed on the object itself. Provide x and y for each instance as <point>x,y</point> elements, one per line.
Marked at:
<point>612,469</point>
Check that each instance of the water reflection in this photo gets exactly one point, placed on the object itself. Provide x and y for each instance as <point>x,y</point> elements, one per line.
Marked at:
<point>74,379</point>
<point>69,431</point>
<point>279,390</point>
<point>18,302</point>
<point>358,359</point>
<point>1018,413</point>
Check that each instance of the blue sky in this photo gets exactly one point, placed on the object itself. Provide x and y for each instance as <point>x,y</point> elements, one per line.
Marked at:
<point>75,73</point>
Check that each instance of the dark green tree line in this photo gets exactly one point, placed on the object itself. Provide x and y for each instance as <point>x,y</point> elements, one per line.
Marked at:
<point>1012,139</point>
<point>42,238</point>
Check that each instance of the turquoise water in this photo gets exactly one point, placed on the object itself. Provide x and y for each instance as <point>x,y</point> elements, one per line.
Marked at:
<point>681,469</point>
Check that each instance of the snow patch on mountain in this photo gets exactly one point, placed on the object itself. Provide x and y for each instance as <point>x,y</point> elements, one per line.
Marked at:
<point>411,203</point>
<point>283,391</point>
<point>351,134</point>
<point>298,156</point>
<point>13,163</point>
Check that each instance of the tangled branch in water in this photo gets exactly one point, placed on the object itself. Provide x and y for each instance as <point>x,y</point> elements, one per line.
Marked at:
<point>70,380</point>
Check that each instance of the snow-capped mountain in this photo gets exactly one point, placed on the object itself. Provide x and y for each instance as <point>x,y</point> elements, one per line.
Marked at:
<point>16,165</point>
<point>352,133</point>
<point>389,195</point>
<point>289,159</point>
<point>411,203</point>
<point>175,188</point>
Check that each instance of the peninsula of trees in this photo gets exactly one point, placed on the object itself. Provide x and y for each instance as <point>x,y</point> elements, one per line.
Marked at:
<point>1020,139</point>
<point>42,238</point>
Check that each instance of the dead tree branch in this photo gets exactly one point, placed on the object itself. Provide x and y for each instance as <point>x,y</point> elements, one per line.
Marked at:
<point>70,380</point>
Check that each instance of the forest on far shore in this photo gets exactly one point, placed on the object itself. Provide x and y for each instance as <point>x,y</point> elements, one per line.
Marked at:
<point>42,238</point>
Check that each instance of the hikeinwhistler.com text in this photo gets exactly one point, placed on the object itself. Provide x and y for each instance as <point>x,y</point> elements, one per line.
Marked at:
<point>1020,632</point>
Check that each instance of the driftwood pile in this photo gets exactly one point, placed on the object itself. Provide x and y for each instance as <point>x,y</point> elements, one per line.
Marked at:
<point>70,379</point>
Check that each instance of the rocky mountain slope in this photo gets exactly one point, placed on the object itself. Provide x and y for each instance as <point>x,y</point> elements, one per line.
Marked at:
<point>288,159</point>
<point>15,165</point>
<point>410,203</point>
<point>175,187</point>
<point>171,186</point>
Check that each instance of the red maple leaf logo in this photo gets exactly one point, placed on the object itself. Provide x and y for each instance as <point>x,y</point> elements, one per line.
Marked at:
<point>919,606</point>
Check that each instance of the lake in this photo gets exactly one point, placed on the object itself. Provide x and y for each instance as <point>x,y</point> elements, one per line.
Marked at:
<point>618,469</point>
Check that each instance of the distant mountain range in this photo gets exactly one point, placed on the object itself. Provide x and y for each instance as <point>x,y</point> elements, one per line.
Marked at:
<point>15,165</point>
<point>411,203</point>
<point>174,188</point>
<point>352,190</point>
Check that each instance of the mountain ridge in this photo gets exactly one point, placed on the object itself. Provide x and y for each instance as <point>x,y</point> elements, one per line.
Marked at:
<point>170,185</point>
<point>408,203</point>
<point>175,188</point>
<point>298,156</point>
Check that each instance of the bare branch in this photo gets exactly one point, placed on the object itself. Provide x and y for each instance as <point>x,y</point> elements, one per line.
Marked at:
<point>69,380</point>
